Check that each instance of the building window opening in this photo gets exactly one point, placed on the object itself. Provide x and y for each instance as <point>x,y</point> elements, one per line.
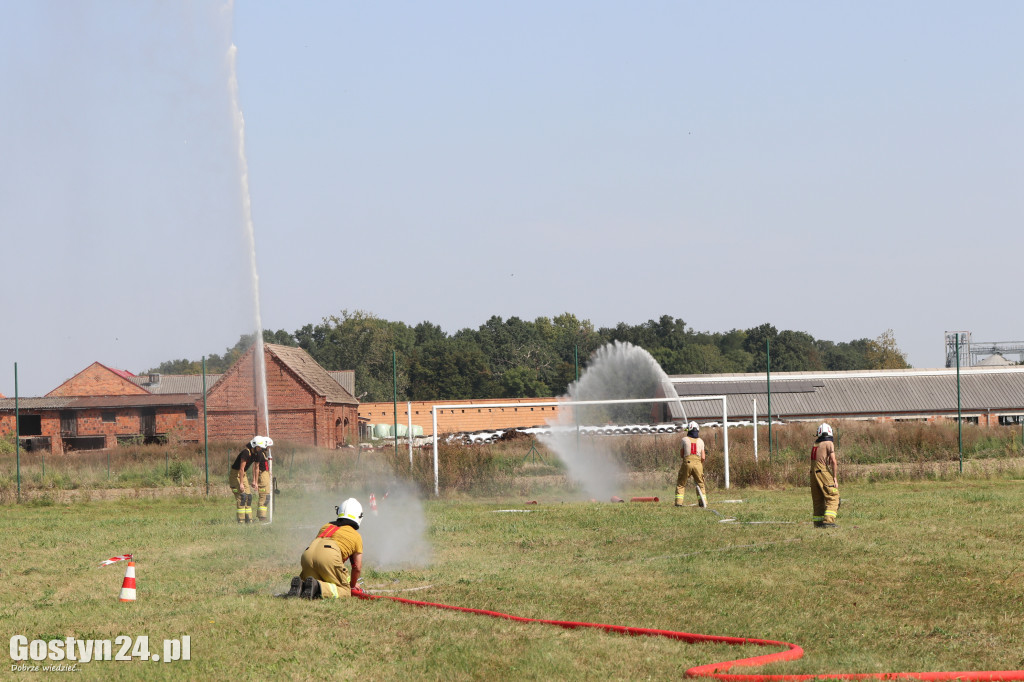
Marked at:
<point>84,443</point>
<point>30,425</point>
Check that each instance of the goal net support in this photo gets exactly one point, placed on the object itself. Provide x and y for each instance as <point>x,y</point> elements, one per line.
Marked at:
<point>565,403</point>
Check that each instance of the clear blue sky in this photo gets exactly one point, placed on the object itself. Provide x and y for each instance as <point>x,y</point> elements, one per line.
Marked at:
<point>834,168</point>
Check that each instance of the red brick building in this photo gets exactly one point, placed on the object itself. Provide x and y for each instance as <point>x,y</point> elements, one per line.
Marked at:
<point>306,404</point>
<point>96,380</point>
<point>95,422</point>
<point>100,406</point>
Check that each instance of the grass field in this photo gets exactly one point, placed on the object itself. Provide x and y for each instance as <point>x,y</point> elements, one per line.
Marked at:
<point>920,576</point>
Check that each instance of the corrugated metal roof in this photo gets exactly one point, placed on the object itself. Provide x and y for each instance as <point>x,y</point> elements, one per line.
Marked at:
<point>730,387</point>
<point>7,404</point>
<point>315,376</point>
<point>862,393</point>
<point>176,383</point>
<point>96,402</point>
<point>345,377</point>
<point>93,402</point>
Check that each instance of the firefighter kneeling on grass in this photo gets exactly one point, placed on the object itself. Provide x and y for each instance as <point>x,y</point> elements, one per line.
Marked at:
<point>324,575</point>
<point>824,483</point>
<point>693,454</point>
<point>255,454</point>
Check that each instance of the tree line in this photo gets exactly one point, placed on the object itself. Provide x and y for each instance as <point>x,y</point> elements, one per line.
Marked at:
<point>517,358</point>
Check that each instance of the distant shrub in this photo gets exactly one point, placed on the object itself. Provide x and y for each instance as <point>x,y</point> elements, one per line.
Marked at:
<point>181,472</point>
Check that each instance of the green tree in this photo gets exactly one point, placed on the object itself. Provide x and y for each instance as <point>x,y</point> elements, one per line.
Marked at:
<point>843,355</point>
<point>518,358</point>
<point>280,337</point>
<point>512,344</point>
<point>883,353</point>
<point>449,369</point>
<point>523,382</point>
<point>571,340</point>
<point>182,366</point>
<point>795,352</point>
<point>365,343</point>
<point>756,344</point>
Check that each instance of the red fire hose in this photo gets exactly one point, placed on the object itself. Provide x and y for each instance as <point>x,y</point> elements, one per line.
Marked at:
<point>791,651</point>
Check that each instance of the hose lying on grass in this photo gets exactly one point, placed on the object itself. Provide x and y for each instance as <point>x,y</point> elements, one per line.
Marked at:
<point>791,652</point>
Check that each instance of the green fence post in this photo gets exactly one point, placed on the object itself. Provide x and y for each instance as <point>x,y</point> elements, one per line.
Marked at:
<point>394,377</point>
<point>768,354</point>
<point>17,431</point>
<point>959,418</point>
<point>575,408</point>
<point>206,432</point>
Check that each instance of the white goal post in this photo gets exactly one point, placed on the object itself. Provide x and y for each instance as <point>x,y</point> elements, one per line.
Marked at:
<point>559,403</point>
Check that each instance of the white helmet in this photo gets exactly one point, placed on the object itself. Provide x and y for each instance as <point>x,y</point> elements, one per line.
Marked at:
<point>693,426</point>
<point>824,430</point>
<point>351,509</point>
<point>261,442</point>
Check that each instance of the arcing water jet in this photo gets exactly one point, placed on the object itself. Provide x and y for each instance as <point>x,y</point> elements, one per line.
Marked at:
<point>617,371</point>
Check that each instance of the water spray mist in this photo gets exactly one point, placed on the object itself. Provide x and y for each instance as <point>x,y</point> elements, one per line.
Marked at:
<point>617,370</point>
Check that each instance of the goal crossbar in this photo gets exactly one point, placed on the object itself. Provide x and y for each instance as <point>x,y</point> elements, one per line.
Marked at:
<point>613,401</point>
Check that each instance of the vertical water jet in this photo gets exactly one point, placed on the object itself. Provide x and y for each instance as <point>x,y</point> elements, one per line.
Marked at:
<point>259,362</point>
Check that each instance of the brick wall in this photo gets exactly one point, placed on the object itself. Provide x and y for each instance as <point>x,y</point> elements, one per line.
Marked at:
<point>49,423</point>
<point>128,423</point>
<point>96,380</point>
<point>297,413</point>
<point>344,421</point>
<point>231,426</point>
<point>525,413</point>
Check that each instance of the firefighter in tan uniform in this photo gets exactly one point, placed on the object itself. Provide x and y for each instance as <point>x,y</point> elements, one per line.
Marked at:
<point>824,479</point>
<point>693,454</point>
<point>324,575</point>
<point>261,474</point>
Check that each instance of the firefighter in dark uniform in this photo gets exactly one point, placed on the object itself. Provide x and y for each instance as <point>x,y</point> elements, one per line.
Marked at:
<point>239,482</point>
<point>824,479</point>
<point>324,575</point>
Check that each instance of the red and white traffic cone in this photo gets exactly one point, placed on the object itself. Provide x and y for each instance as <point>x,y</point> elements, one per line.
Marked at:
<point>373,503</point>
<point>128,585</point>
